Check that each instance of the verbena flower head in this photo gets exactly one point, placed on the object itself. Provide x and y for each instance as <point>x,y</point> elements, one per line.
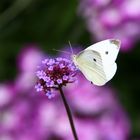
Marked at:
<point>54,73</point>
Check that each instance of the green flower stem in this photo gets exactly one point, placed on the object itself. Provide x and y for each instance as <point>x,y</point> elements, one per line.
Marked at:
<point>68,113</point>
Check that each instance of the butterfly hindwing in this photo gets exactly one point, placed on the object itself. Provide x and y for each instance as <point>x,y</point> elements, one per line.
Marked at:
<point>90,64</point>
<point>110,70</point>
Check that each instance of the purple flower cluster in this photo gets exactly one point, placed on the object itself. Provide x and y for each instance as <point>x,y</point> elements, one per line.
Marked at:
<point>112,18</point>
<point>54,73</point>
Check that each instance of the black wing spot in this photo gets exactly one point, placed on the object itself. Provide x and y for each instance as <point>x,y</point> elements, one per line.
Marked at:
<point>91,82</point>
<point>94,59</point>
<point>106,52</point>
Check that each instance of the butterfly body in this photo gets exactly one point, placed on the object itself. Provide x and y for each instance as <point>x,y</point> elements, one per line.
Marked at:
<point>97,62</point>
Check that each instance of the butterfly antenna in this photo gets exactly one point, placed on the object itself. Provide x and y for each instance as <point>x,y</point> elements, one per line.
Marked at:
<point>61,51</point>
<point>71,48</point>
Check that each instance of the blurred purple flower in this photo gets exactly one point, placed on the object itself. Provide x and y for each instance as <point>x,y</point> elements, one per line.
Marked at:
<point>113,18</point>
<point>7,93</point>
<point>28,60</point>
<point>29,57</point>
<point>101,107</point>
<point>54,73</point>
<point>28,116</point>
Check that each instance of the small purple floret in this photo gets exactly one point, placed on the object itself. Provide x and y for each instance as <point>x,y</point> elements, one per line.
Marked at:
<point>50,95</point>
<point>65,77</point>
<point>59,81</point>
<point>38,87</point>
<point>54,73</point>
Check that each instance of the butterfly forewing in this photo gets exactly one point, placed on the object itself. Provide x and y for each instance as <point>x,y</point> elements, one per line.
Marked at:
<point>108,49</point>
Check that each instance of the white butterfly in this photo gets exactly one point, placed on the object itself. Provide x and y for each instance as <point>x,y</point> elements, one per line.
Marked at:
<point>97,62</point>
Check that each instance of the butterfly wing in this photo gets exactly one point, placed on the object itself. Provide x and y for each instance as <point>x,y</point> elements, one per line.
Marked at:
<point>108,49</point>
<point>110,71</point>
<point>90,64</point>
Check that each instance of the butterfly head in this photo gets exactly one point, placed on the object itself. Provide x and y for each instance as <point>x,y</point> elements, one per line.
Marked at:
<point>74,59</point>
